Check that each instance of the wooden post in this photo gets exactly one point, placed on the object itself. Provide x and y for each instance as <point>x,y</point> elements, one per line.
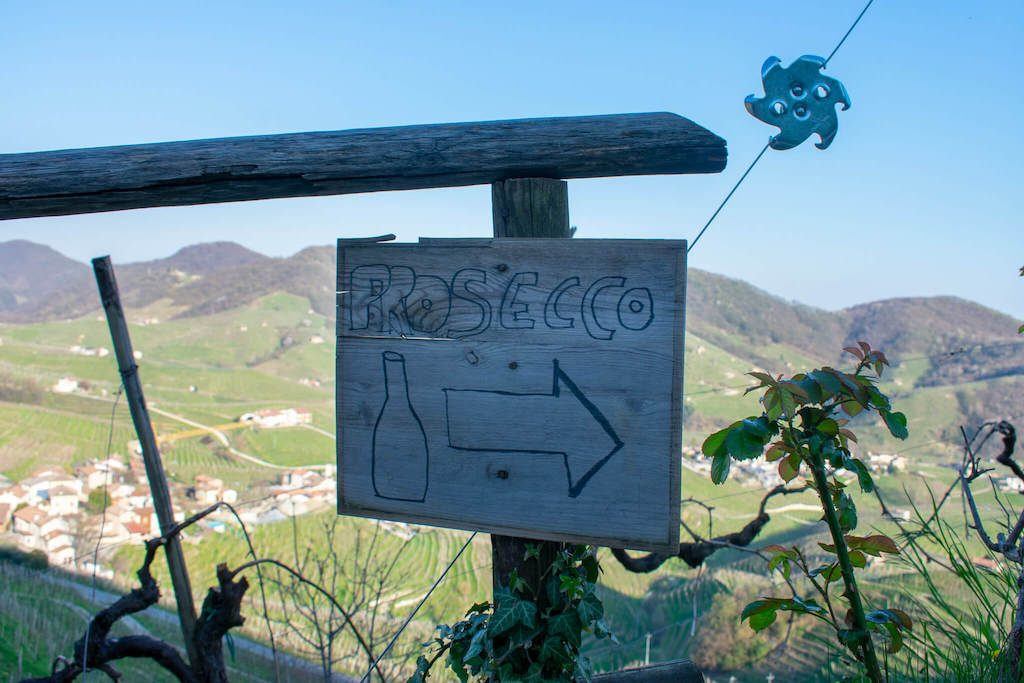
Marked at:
<point>111,299</point>
<point>527,207</point>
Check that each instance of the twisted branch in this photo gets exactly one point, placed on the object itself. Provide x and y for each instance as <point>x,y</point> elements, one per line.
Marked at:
<point>696,552</point>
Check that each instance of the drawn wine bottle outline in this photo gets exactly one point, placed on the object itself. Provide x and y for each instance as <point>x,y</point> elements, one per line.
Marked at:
<point>400,458</point>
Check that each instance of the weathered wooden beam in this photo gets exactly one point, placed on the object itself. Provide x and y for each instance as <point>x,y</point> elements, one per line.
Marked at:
<point>678,671</point>
<point>56,183</point>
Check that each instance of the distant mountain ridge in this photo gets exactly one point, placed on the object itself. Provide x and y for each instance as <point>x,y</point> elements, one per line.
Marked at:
<point>39,283</point>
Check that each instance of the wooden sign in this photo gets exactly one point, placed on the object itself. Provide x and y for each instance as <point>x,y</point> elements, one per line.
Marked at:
<point>522,387</point>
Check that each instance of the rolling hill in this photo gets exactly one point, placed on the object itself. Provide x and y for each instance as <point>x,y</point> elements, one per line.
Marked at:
<point>225,330</point>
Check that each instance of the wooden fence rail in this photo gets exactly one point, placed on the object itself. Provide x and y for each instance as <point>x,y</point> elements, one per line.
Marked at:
<point>77,181</point>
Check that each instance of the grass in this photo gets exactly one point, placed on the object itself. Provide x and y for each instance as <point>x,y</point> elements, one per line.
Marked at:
<point>37,625</point>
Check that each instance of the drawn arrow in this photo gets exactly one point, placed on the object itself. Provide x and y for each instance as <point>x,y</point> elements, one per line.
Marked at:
<point>563,422</point>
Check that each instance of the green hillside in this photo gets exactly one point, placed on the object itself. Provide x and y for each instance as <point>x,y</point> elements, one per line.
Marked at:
<point>215,346</point>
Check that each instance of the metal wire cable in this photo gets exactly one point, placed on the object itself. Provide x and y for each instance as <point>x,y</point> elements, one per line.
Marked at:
<point>103,521</point>
<point>408,619</point>
<point>764,149</point>
<point>941,355</point>
<point>847,34</point>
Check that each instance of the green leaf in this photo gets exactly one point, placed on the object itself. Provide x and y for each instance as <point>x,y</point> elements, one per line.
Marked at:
<point>714,445</point>
<point>828,427</point>
<point>590,609</point>
<point>510,613</point>
<point>847,512</point>
<point>747,440</point>
<point>720,468</point>
<point>758,606</point>
<point>829,383</point>
<point>568,625</point>
<point>478,608</point>
<point>776,451</point>
<point>553,650</point>
<point>780,560</point>
<point>788,402</point>
<point>591,567</point>
<point>852,408</point>
<point>476,644</point>
<point>811,388</point>
<point>857,559</point>
<point>896,422</point>
<point>772,404</point>
<point>850,638</point>
<point>867,485</point>
<point>762,620</point>
<point>876,544</point>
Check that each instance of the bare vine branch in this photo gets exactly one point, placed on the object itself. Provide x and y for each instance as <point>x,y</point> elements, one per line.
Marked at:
<point>696,552</point>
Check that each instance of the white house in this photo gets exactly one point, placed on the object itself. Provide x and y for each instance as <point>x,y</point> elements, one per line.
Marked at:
<point>40,483</point>
<point>28,525</point>
<point>63,556</point>
<point>63,500</point>
<point>65,385</point>
<point>1012,485</point>
<point>272,419</point>
<point>14,496</point>
<point>209,490</point>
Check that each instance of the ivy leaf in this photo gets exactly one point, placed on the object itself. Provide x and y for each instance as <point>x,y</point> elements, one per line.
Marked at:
<point>553,650</point>
<point>476,644</point>
<point>591,567</point>
<point>590,609</point>
<point>568,625</point>
<point>509,614</point>
<point>720,468</point>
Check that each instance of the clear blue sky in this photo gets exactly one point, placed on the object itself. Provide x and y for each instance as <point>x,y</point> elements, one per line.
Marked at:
<point>918,195</point>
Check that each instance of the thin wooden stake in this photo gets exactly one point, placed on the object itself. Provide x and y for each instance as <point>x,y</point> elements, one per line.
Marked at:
<point>107,283</point>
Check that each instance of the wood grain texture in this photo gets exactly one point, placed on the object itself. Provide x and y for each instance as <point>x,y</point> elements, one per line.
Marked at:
<point>530,207</point>
<point>553,416</point>
<point>77,181</point>
<point>523,208</point>
<point>679,671</point>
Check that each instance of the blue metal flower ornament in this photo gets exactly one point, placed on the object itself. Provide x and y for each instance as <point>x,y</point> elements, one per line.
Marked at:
<point>799,100</point>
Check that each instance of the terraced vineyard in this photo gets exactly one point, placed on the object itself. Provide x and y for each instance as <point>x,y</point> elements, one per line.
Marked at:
<point>275,351</point>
